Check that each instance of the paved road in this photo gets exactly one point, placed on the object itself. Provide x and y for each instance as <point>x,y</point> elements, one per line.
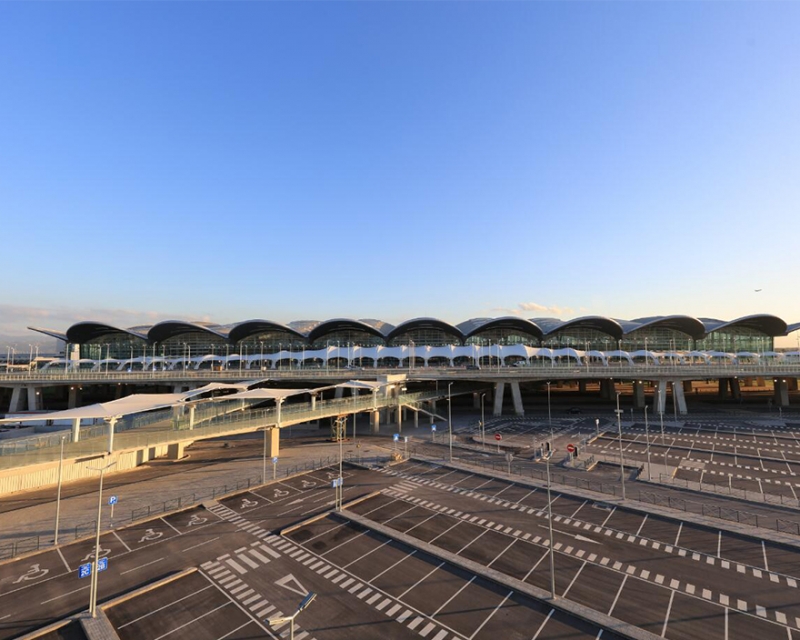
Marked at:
<point>666,576</point>
<point>757,458</point>
<point>44,587</point>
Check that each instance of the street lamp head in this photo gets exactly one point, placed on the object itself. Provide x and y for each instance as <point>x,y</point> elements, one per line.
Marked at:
<point>306,601</point>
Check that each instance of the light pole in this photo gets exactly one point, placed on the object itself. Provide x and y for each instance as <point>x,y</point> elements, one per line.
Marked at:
<point>549,416</point>
<point>93,585</point>
<point>264,462</point>
<point>647,435</point>
<point>58,492</point>
<point>450,418</point>
<point>621,459</point>
<point>550,525</point>
<point>276,622</point>
<point>483,422</point>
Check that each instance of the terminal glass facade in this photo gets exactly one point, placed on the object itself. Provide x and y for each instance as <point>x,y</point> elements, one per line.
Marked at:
<point>349,337</point>
<point>503,337</point>
<point>425,337</point>
<point>119,346</point>
<point>271,342</point>
<point>657,339</point>
<point>735,339</point>
<point>194,343</point>
<point>580,338</point>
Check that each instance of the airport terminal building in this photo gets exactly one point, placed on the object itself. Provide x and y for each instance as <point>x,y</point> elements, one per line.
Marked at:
<point>421,342</point>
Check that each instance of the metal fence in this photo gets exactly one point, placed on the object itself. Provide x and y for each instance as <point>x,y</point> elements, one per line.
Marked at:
<point>14,547</point>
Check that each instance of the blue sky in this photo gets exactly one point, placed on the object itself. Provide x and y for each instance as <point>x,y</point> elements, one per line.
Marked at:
<point>387,160</point>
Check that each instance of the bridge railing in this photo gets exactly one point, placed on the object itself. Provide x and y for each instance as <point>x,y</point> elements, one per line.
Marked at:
<point>95,440</point>
<point>538,371</point>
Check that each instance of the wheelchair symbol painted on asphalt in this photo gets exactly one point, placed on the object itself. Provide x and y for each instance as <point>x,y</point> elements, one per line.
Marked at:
<point>196,520</point>
<point>280,494</point>
<point>90,556</point>
<point>307,484</point>
<point>34,573</point>
<point>246,504</point>
<point>151,535</point>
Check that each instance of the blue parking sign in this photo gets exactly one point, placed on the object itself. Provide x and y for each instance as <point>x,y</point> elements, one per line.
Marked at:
<point>85,570</point>
<point>433,427</point>
<point>112,500</point>
<point>275,460</point>
<point>396,437</point>
<point>102,564</point>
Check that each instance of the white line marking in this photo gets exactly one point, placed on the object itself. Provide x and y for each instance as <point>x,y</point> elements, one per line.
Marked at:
<point>141,566</point>
<point>63,595</point>
<point>200,544</point>
<point>121,540</point>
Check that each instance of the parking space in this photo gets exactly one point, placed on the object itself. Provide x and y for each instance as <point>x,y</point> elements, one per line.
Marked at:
<point>605,554</point>
<point>79,553</point>
<point>190,607</point>
<point>146,533</point>
<point>191,520</point>
<point>27,571</point>
<point>440,601</point>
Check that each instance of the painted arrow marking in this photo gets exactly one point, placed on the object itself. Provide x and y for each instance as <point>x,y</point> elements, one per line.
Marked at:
<point>292,584</point>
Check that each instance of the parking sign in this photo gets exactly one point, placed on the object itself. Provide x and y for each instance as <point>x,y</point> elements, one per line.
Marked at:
<point>112,500</point>
<point>102,564</point>
<point>85,570</point>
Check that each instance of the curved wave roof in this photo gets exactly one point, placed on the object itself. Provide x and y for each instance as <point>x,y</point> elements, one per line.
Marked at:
<point>697,328</point>
<point>85,331</point>
<point>243,330</point>
<point>170,328</point>
<point>686,324</point>
<point>609,326</point>
<point>513,323</point>
<point>766,323</point>
<point>424,323</point>
<point>342,324</point>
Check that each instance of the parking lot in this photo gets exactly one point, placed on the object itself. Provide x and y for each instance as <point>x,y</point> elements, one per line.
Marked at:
<point>653,572</point>
<point>422,593</point>
<point>761,459</point>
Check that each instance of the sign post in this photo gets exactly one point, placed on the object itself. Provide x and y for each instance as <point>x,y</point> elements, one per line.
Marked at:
<point>433,433</point>
<point>275,467</point>
<point>112,500</point>
<point>498,437</point>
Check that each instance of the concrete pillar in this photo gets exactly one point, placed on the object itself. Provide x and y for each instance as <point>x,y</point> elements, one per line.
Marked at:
<point>582,386</point>
<point>111,424</point>
<point>375,422</point>
<point>433,412</point>
<point>608,390</point>
<point>687,386</point>
<point>273,442</point>
<point>781,393</point>
<point>736,390</point>
<point>499,390</point>
<point>313,401</point>
<point>17,400</point>
<point>142,456</point>
<point>660,397</point>
<point>118,392</point>
<point>792,383</point>
<point>34,398</point>
<point>677,389</point>
<point>516,396</point>
<point>74,397</point>
<point>338,393</point>
<point>638,394</point>
<point>191,416</point>
<point>175,450</point>
<point>722,388</point>
<point>476,400</point>
<point>416,419</point>
<point>76,429</point>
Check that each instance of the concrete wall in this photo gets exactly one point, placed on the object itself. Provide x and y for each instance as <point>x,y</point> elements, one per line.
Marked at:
<point>43,475</point>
